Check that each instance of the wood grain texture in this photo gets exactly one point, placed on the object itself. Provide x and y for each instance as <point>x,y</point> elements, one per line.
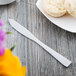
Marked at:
<point>37,60</point>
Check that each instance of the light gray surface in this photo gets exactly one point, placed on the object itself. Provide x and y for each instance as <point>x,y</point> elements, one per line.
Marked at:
<point>39,62</point>
<point>4,2</point>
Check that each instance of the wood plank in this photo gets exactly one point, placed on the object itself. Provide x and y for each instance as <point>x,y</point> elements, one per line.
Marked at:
<point>41,63</point>
<point>17,12</point>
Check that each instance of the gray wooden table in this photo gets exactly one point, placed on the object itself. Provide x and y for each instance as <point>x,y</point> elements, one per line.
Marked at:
<point>37,60</point>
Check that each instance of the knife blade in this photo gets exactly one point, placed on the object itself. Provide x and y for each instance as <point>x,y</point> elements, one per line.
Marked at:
<point>64,61</point>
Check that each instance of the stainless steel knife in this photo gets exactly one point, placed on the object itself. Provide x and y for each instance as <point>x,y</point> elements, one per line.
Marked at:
<point>29,35</point>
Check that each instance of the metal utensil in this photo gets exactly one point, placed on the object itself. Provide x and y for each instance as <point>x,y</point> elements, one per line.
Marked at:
<point>29,35</point>
<point>4,2</point>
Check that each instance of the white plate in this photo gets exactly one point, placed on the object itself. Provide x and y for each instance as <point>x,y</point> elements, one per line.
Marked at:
<point>66,22</point>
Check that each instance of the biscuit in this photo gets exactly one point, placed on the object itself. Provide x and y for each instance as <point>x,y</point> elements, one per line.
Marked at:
<point>54,8</point>
<point>70,6</point>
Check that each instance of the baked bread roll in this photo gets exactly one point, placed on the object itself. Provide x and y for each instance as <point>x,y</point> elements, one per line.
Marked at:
<point>70,6</point>
<point>54,8</point>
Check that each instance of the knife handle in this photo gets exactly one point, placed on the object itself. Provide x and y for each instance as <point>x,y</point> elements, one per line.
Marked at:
<point>64,61</point>
<point>56,55</point>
